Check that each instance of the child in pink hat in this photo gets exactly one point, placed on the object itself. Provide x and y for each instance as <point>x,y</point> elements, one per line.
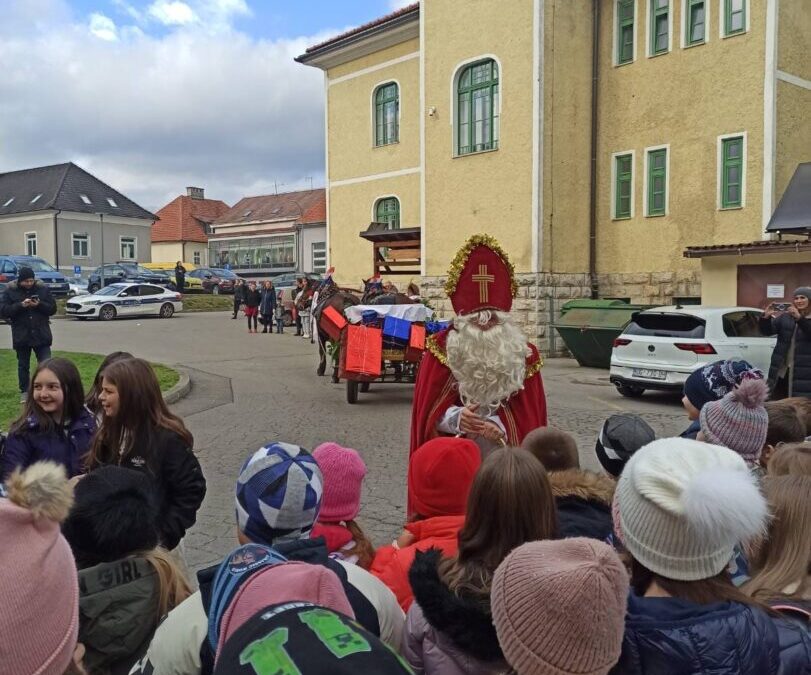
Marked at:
<point>343,470</point>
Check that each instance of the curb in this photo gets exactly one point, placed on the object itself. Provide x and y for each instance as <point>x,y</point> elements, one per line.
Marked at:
<point>180,390</point>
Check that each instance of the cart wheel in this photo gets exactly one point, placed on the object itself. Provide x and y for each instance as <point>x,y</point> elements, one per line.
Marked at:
<point>364,387</point>
<point>351,391</point>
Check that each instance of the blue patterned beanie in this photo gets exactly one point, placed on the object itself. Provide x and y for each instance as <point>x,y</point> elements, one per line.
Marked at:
<point>278,494</point>
<point>716,380</point>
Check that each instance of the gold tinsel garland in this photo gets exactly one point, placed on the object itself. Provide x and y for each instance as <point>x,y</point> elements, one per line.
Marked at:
<point>439,354</point>
<point>460,260</point>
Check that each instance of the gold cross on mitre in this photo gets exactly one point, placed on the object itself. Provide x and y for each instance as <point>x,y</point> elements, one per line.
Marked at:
<point>484,280</point>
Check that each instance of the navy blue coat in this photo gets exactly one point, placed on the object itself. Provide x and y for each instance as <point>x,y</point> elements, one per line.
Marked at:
<point>667,636</point>
<point>33,444</point>
<point>268,304</point>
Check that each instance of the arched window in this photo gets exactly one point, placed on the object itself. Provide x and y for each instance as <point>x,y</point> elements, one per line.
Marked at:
<point>388,211</point>
<point>477,108</point>
<point>387,113</point>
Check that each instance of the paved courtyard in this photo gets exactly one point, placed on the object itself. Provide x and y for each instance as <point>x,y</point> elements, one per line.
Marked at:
<point>251,389</point>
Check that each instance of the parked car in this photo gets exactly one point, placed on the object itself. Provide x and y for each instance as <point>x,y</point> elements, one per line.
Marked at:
<point>286,283</point>
<point>125,299</point>
<point>77,287</point>
<point>56,281</point>
<point>663,345</point>
<point>128,271</point>
<point>212,281</point>
<point>192,285</point>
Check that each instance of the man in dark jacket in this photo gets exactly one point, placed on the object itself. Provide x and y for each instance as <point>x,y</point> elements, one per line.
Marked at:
<point>27,304</point>
<point>239,296</point>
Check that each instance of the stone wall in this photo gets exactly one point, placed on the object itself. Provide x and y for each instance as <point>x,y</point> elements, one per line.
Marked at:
<point>651,288</point>
<point>535,308</point>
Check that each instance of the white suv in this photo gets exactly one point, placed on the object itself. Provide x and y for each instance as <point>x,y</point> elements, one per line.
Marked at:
<point>663,345</point>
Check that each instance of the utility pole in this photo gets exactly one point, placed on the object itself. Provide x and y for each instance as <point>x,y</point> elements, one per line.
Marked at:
<point>101,221</point>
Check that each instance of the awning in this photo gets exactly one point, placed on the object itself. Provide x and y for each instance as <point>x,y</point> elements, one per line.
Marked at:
<point>793,213</point>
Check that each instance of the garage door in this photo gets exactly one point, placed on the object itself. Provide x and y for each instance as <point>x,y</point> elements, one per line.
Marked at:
<point>759,284</point>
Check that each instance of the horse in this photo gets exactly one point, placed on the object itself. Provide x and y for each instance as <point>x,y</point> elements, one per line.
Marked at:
<point>376,293</point>
<point>330,295</point>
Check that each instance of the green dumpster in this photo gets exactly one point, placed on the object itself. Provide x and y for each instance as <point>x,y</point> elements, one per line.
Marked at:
<point>589,328</point>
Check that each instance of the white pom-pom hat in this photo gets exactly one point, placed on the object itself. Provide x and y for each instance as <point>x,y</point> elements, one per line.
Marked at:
<point>684,505</point>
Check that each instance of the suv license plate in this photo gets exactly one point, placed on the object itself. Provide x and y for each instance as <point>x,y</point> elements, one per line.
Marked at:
<point>649,374</point>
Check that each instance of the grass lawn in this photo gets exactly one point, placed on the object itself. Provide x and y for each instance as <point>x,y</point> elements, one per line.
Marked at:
<point>191,303</point>
<point>87,364</point>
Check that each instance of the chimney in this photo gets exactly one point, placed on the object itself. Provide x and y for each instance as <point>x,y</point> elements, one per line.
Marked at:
<point>195,193</point>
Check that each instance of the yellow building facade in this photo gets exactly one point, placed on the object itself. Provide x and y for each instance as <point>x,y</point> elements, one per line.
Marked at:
<point>596,140</point>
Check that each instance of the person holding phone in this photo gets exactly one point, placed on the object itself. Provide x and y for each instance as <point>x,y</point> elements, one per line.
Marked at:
<point>28,305</point>
<point>790,369</point>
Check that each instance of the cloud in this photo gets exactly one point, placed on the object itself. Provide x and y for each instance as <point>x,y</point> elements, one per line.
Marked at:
<point>103,27</point>
<point>150,114</point>
<point>394,5</point>
<point>172,13</point>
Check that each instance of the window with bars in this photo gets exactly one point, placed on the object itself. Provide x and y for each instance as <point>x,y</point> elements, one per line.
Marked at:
<point>80,243</point>
<point>128,248</point>
<point>695,22</point>
<point>734,16</point>
<point>477,108</point>
<point>732,173</point>
<point>387,113</point>
<point>319,257</point>
<point>657,182</point>
<point>388,211</point>
<point>660,26</point>
<point>30,243</point>
<point>623,167</point>
<point>625,31</point>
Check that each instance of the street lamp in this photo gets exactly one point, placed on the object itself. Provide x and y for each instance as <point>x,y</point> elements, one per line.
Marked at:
<point>101,221</point>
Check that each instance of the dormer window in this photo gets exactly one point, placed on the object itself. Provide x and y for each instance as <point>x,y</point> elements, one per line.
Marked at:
<point>111,202</point>
<point>8,202</point>
<point>85,199</point>
<point>35,199</point>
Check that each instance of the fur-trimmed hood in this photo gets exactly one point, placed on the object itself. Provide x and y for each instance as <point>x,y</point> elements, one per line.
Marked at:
<point>583,485</point>
<point>463,621</point>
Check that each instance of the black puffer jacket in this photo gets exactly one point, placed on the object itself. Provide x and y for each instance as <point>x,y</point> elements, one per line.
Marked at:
<point>30,326</point>
<point>800,370</point>
<point>583,500</point>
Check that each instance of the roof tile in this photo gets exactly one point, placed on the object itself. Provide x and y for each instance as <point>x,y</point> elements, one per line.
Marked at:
<point>183,219</point>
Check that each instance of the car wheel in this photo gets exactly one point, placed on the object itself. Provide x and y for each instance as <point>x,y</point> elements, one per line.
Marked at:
<point>215,290</point>
<point>629,390</point>
<point>167,310</point>
<point>107,313</point>
<point>93,288</point>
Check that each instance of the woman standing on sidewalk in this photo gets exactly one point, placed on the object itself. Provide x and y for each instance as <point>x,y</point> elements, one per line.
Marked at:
<point>267,306</point>
<point>253,298</point>
<point>790,370</point>
<point>180,276</point>
<point>239,296</point>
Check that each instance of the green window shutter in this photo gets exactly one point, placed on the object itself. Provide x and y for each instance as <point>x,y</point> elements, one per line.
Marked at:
<point>734,16</point>
<point>695,24</point>
<point>388,211</point>
<point>657,182</point>
<point>387,114</point>
<point>477,105</point>
<point>625,31</point>
<point>660,26</point>
<point>732,177</point>
<point>622,187</point>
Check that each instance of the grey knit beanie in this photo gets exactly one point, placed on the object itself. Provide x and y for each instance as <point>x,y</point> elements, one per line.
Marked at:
<point>803,290</point>
<point>681,506</point>
<point>739,421</point>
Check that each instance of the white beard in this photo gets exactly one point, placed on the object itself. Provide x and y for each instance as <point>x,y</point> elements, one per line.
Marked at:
<point>489,365</point>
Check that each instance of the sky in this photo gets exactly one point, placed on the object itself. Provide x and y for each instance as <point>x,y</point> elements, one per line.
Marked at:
<point>152,96</point>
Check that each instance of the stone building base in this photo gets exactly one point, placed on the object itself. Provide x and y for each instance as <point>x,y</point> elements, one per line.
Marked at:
<point>541,296</point>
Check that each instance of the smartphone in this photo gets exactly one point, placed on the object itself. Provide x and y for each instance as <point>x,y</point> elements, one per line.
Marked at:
<point>34,297</point>
<point>781,306</point>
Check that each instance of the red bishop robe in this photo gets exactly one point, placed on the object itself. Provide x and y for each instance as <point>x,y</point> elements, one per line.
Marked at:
<point>435,392</point>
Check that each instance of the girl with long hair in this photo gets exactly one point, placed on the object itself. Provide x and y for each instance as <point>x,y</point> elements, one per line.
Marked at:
<point>680,509</point>
<point>449,628</point>
<point>54,425</point>
<point>139,432</point>
<point>780,562</point>
<point>92,398</point>
<point>127,583</point>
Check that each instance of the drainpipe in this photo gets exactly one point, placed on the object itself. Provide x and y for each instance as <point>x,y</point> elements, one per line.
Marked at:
<point>595,65</point>
<point>56,239</point>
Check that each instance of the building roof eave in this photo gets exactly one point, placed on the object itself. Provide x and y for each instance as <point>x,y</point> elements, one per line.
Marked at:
<point>751,248</point>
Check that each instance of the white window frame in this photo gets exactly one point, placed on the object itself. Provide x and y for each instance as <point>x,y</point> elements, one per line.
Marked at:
<point>29,237</point>
<point>719,161</point>
<point>196,258</point>
<point>614,50</point>
<point>647,152</point>
<point>373,110</point>
<point>685,24</point>
<point>649,27</point>
<point>73,236</point>
<point>722,17</point>
<point>614,156</point>
<point>454,121</point>
<point>312,256</point>
<point>134,241</point>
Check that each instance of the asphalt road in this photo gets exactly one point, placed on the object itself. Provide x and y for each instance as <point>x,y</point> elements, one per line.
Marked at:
<point>251,389</point>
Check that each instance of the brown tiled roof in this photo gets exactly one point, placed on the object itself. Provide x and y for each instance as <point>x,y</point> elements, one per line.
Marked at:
<point>363,28</point>
<point>765,246</point>
<point>182,219</point>
<point>303,207</point>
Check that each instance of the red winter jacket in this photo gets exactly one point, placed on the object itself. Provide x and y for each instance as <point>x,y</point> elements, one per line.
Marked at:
<point>391,565</point>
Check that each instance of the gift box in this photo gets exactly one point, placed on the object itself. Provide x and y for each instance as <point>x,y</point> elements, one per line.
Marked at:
<point>371,318</point>
<point>361,353</point>
<point>432,327</point>
<point>332,322</point>
<point>416,343</point>
<point>396,331</point>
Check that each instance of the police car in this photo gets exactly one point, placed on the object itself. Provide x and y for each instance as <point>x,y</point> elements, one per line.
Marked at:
<point>125,300</point>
